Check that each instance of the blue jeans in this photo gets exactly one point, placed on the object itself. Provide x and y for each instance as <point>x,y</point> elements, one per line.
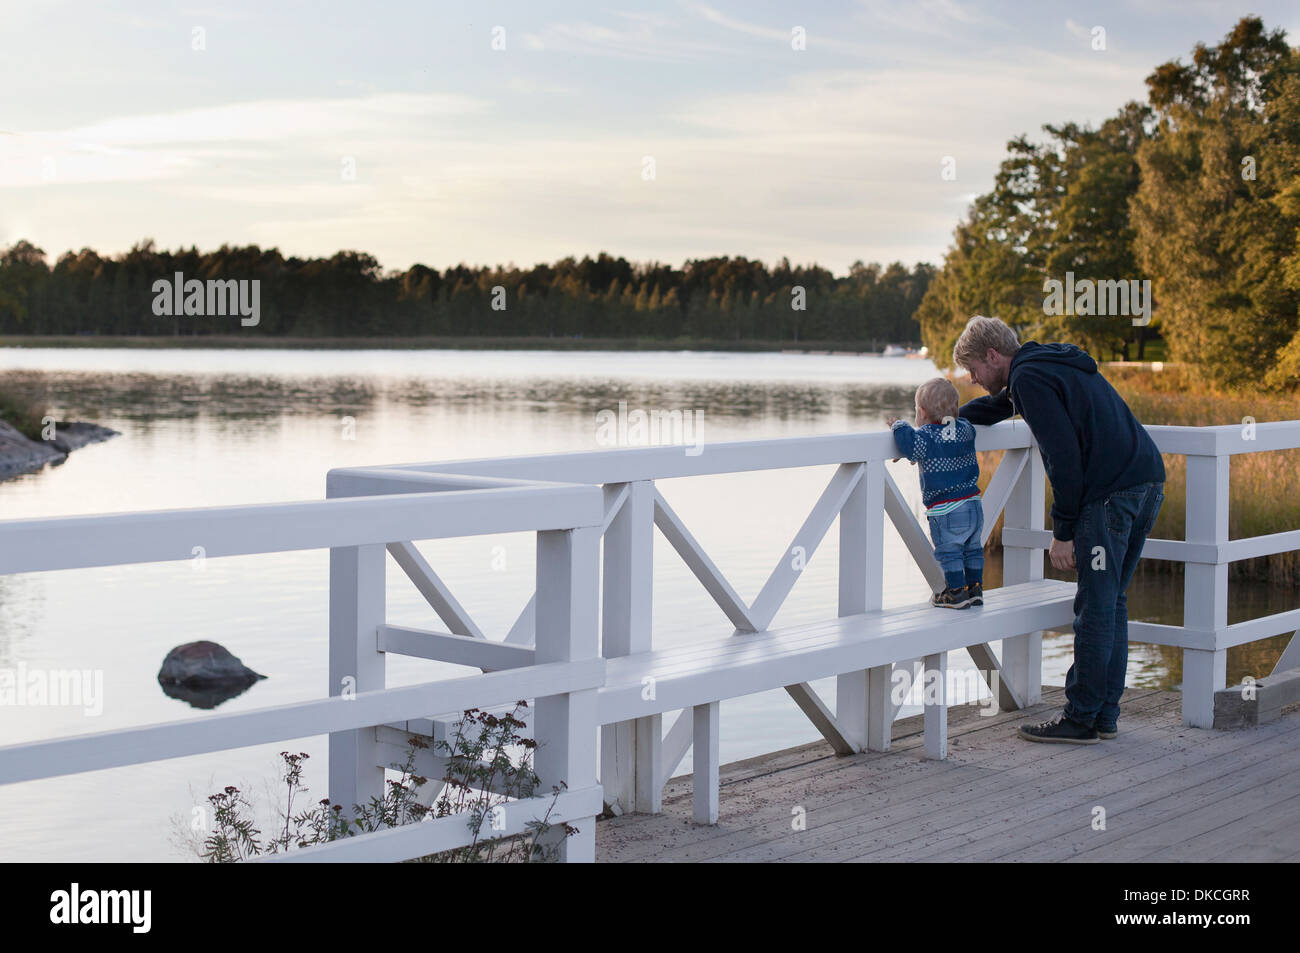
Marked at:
<point>1108,539</point>
<point>957,545</point>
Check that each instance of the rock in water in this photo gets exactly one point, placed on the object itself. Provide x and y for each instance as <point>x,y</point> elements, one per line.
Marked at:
<point>21,455</point>
<point>18,454</point>
<point>75,435</point>
<point>204,674</point>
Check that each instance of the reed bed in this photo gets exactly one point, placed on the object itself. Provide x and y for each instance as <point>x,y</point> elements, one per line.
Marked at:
<point>18,410</point>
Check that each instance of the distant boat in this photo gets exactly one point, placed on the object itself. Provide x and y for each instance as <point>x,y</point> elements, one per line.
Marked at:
<point>893,350</point>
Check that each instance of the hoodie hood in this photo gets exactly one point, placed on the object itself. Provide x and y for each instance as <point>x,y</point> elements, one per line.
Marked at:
<point>1055,353</point>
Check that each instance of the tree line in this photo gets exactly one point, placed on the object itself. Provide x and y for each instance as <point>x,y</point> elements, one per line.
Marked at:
<point>1196,190</point>
<point>720,299</point>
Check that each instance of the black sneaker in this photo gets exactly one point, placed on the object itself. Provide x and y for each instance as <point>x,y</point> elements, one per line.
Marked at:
<point>951,598</point>
<point>1061,730</point>
<point>1109,731</point>
<point>976,592</point>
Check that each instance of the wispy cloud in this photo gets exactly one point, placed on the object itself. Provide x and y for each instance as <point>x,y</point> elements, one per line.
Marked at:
<point>1078,29</point>
<point>150,146</point>
<point>638,36</point>
<point>920,15</point>
<point>275,119</point>
<point>779,37</point>
<point>713,15</point>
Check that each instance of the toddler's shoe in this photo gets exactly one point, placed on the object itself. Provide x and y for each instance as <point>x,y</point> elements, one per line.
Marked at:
<point>951,598</point>
<point>1107,731</point>
<point>976,592</point>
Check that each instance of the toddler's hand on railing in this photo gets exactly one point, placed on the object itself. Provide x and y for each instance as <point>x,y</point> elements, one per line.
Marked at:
<point>889,422</point>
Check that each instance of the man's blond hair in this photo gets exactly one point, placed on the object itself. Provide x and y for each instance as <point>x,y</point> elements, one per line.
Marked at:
<point>979,335</point>
<point>938,398</point>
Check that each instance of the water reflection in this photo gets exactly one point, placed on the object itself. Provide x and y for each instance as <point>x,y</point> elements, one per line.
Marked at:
<point>205,698</point>
<point>146,397</point>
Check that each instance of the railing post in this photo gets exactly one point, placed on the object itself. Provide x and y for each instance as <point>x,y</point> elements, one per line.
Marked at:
<point>704,796</point>
<point>1022,655</point>
<point>567,631</point>
<point>630,750</point>
<point>934,688</point>
<point>1205,586</point>
<point>355,665</point>
<point>862,703</point>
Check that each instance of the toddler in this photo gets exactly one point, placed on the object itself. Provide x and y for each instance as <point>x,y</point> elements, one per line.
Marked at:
<point>943,447</point>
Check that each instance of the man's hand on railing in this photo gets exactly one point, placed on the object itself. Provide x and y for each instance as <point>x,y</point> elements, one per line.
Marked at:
<point>1062,553</point>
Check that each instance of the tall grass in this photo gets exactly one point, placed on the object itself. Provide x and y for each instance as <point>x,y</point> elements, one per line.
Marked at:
<point>20,413</point>
<point>1264,495</point>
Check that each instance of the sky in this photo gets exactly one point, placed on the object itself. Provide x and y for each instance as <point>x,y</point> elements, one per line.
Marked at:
<point>521,132</point>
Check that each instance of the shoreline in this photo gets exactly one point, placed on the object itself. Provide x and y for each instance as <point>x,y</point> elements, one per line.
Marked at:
<point>465,343</point>
<point>20,454</point>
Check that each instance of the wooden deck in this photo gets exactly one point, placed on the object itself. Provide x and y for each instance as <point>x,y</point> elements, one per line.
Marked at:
<point>1170,794</point>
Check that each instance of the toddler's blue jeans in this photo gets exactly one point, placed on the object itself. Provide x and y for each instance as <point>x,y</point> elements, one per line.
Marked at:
<point>956,537</point>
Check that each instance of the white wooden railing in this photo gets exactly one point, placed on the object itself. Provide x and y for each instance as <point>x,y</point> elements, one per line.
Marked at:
<point>562,673</point>
<point>555,652</point>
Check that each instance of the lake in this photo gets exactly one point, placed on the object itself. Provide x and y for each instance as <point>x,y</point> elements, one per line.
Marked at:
<point>214,427</point>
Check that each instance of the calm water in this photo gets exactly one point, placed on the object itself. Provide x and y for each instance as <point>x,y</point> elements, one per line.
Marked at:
<point>203,428</point>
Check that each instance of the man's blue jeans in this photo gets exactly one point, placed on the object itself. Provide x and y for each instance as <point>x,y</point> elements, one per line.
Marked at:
<point>957,544</point>
<point>1108,540</point>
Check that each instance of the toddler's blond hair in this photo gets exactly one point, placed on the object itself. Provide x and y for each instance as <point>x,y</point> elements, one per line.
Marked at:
<point>938,398</point>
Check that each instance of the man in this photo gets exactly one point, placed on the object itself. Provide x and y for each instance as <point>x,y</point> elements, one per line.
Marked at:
<point>1107,486</point>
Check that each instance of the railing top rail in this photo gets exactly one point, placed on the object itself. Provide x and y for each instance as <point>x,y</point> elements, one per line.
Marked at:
<point>495,495</point>
<point>668,461</point>
<point>77,542</point>
<point>627,465</point>
<point>1227,439</point>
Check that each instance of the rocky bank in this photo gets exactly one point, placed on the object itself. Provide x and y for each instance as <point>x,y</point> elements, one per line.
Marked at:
<point>18,454</point>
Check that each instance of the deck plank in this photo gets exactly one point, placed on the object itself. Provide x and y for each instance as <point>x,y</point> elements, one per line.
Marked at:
<point>752,789</point>
<point>1256,833</point>
<point>997,789</point>
<point>1170,793</point>
<point>837,786</point>
<point>996,777</point>
<point>1148,763</point>
<point>1140,804</point>
<point>1255,829</point>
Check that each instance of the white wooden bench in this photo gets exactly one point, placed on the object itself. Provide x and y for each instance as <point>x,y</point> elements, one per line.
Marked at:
<point>694,677</point>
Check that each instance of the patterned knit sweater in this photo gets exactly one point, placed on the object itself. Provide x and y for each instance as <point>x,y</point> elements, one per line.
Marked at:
<point>945,455</point>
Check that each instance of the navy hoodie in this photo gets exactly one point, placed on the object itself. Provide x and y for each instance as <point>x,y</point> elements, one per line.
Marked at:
<point>1091,443</point>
